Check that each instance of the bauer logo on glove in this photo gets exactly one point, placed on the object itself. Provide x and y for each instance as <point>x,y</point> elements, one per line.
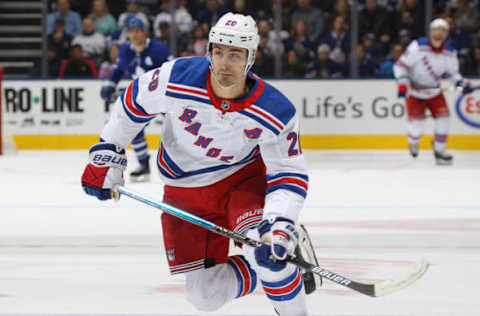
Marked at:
<point>105,170</point>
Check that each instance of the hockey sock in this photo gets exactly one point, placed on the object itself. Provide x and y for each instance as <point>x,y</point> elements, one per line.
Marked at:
<point>286,293</point>
<point>284,288</point>
<point>246,276</point>
<point>441,133</point>
<point>415,128</point>
<point>139,145</point>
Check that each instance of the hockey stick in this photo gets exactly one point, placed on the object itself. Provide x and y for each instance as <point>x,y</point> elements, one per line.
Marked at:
<point>374,290</point>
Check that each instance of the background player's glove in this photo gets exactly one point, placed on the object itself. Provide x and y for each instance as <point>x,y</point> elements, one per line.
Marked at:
<point>107,92</point>
<point>402,90</point>
<point>282,236</point>
<point>107,162</point>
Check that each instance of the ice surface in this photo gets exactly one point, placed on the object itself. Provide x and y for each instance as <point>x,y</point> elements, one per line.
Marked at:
<point>370,214</point>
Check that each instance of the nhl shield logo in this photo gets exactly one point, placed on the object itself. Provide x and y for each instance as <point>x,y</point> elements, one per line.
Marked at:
<point>253,133</point>
<point>225,105</point>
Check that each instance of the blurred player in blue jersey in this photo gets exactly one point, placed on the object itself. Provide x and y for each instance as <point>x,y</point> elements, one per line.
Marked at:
<point>138,56</point>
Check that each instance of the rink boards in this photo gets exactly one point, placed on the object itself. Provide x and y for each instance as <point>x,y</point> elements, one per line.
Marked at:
<point>334,114</point>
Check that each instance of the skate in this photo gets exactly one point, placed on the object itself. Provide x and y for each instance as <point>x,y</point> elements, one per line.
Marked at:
<point>306,252</point>
<point>141,174</point>
<point>413,150</point>
<point>443,158</point>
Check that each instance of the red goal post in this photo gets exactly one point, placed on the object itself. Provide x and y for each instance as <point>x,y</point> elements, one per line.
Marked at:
<point>1,112</point>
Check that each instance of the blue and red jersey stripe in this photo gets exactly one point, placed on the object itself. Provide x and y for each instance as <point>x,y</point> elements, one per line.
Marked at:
<point>134,110</point>
<point>294,182</point>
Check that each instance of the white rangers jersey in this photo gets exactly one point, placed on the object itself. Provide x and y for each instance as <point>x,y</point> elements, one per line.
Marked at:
<point>422,67</point>
<point>206,139</point>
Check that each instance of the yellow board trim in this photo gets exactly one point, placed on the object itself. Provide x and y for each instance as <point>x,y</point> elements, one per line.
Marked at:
<point>461,142</point>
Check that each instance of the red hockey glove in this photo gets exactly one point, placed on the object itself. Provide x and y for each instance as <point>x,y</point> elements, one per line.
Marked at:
<point>105,170</point>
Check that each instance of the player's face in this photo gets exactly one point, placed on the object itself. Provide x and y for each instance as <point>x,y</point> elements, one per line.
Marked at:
<point>136,36</point>
<point>228,63</point>
<point>439,34</point>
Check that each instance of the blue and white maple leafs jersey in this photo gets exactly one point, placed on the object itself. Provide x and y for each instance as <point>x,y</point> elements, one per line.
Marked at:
<point>206,139</point>
<point>423,67</point>
<point>136,64</point>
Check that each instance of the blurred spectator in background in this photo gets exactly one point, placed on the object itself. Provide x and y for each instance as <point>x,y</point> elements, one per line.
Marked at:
<point>241,7</point>
<point>467,17</point>
<point>264,64</point>
<point>78,65</point>
<point>53,63</point>
<point>366,67</point>
<point>338,40</point>
<point>300,42</point>
<point>286,10</point>
<point>198,42</point>
<point>473,68</point>
<point>73,23</point>
<point>211,13</point>
<point>386,68</point>
<point>269,41</point>
<point>415,17</point>
<point>323,66</point>
<point>293,66</point>
<point>183,19</point>
<point>377,20</point>
<point>104,22</point>
<point>163,34</point>
<point>132,10</point>
<point>317,21</point>
<point>106,68</point>
<point>404,37</point>
<point>371,48</point>
<point>405,22</point>
<point>342,8</point>
<point>475,39</point>
<point>59,41</point>
<point>459,40</point>
<point>390,5</point>
<point>93,43</point>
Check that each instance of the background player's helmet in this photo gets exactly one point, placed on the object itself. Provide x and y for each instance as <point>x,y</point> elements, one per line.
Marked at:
<point>134,23</point>
<point>235,30</point>
<point>439,23</point>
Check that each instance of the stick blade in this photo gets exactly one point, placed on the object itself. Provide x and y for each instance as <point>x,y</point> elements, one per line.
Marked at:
<point>401,281</point>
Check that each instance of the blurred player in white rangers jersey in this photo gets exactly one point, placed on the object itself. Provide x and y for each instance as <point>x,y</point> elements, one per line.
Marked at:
<point>230,153</point>
<point>419,71</point>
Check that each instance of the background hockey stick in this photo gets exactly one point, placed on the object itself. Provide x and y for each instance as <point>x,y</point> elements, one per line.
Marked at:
<point>374,290</point>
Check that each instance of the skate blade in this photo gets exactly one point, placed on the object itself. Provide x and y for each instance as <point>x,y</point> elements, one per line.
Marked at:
<point>141,178</point>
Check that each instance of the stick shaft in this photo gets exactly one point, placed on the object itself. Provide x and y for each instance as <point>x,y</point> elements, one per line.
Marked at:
<point>366,289</point>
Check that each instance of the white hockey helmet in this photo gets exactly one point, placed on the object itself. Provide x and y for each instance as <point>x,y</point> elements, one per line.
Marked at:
<point>439,23</point>
<point>235,30</point>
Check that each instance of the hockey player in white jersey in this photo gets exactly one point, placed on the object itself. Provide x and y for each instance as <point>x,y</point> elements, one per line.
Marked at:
<point>230,153</point>
<point>419,71</point>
